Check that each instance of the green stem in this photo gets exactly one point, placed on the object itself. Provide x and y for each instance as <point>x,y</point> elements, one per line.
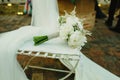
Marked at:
<point>40,39</point>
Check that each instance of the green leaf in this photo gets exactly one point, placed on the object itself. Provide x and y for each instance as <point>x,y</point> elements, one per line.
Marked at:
<point>40,39</point>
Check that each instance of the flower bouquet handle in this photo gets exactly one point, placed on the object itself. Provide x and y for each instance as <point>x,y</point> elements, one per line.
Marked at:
<point>41,39</point>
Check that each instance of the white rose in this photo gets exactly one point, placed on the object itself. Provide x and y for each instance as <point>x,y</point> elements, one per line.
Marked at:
<point>66,30</point>
<point>77,40</point>
<point>69,20</point>
<point>76,19</point>
<point>80,25</point>
<point>72,20</point>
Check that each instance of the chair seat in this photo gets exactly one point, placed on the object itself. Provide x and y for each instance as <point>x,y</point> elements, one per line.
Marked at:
<point>55,46</point>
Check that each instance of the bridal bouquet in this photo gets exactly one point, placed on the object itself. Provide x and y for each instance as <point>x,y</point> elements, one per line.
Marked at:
<point>70,29</point>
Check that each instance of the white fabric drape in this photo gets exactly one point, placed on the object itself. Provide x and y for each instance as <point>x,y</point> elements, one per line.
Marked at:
<point>10,42</point>
<point>45,13</point>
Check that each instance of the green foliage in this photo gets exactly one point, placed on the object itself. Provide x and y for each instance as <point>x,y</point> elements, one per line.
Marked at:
<point>62,20</point>
<point>39,39</point>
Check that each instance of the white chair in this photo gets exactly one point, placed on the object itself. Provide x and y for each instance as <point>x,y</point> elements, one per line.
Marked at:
<point>51,49</point>
<point>45,15</point>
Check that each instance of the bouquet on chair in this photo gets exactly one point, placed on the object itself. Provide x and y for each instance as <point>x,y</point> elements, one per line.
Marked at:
<point>70,29</point>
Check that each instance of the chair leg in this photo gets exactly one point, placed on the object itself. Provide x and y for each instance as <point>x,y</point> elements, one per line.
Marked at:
<point>28,63</point>
<point>72,71</point>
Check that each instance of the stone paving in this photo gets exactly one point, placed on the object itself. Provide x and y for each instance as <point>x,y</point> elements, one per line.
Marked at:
<point>103,46</point>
